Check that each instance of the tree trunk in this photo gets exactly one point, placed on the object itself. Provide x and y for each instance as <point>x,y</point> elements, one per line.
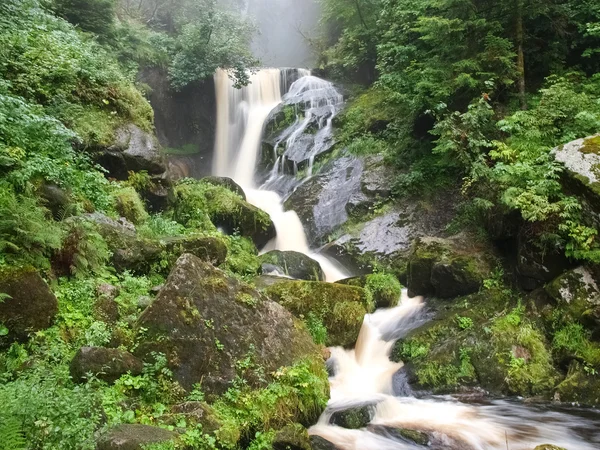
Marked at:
<point>520,54</point>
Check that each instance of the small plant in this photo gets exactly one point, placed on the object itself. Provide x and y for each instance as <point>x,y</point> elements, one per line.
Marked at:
<point>464,323</point>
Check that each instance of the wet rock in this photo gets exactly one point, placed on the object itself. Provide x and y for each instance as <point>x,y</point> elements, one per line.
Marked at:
<point>133,437</point>
<point>447,268</point>
<point>321,201</point>
<point>581,159</point>
<point>340,308</point>
<point>134,150</point>
<point>378,177</point>
<point>157,193</point>
<point>108,364</point>
<point>292,437</point>
<point>26,303</point>
<point>294,264</point>
<point>319,443</point>
<point>227,183</point>
<point>402,434</point>
<point>206,321</point>
<point>265,280</point>
<point>353,418</point>
<point>577,293</point>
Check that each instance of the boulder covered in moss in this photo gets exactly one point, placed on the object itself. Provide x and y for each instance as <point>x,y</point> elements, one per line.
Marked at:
<point>384,288</point>
<point>339,308</point>
<point>134,150</point>
<point>137,254</point>
<point>581,159</point>
<point>577,293</point>
<point>208,248</point>
<point>202,205</point>
<point>107,364</point>
<point>549,447</point>
<point>294,264</point>
<point>447,268</point>
<point>319,443</point>
<point>133,437</point>
<point>227,183</point>
<point>292,437</point>
<point>205,322</point>
<point>580,386</point>
<point>26,304</point>
<point>402,434</point>
<point>130,205</point>
<point>353,418</point>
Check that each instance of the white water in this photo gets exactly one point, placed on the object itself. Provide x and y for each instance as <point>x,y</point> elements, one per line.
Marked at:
<point>241,114</point>
<point>365,375</point>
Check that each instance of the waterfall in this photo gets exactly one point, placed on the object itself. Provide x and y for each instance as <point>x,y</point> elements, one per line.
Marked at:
<point>366,376</point>
<point>241,114</point>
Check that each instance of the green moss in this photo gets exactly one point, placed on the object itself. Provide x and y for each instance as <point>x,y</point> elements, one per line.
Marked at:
<point>591,146</point>
<point>129,205</point>
<point>339,308</point>
<point>242,257</point>
<point>385,289</point>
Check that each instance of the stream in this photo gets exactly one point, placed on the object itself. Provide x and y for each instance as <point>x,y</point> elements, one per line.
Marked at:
<point>365,375</point>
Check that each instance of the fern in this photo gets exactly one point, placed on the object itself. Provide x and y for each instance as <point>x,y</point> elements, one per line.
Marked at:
<point>11,434</point>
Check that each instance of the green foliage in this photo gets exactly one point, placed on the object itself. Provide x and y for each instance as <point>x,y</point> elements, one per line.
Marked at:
<point>216,38</point>
<point>242,256</point>
<point>385,288</point>
<point>316,328</point>
<point>464,323</point>
<point>83,251</point>
<point>11,434</point>
<point>96,16</point>
<point>26,232</point>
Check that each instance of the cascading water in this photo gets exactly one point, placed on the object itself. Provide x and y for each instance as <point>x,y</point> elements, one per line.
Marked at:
<point>241,114</point>
<point>366,375</point>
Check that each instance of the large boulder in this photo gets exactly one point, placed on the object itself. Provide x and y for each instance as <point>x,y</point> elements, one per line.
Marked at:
<point>134,150</point>
<point>339,308</point>
<point>577,293</point>
<point>26,303</point>
<point>538,264</point>
<point>133,437</point>
<point>581,159</point>
<point>579,387</point>
<point>294,264</point>
<point>354,417</point>
<point>206,321</point>
<point>447,268</point>
<point>107,364</point>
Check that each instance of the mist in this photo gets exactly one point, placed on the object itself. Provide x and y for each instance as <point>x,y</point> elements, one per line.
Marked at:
<point>281,26</point>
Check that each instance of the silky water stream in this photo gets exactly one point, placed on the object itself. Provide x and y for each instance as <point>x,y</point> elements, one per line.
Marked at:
<point>365,375</point>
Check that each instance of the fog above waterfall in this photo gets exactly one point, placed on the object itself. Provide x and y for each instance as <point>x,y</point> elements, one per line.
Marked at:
<point>281,26</point>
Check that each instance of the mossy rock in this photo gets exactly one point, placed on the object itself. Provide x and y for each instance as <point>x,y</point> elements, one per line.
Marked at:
<point>340,308</point>
<point>447,268</point>
<point>484,339</point>
<point>199,413</point>
<point>353,418</point>
<point>385,289</point>
<point>549,447</point>
<point>107,364</point>
<point>292,437</point>
<point>579,386</point>
<point>402,434</point>
<point>133,437</point>
<point>319,443</point>
<point>26,303</point>
<point>294,264</point>
<point>227,183</point>
<point>202,311</point>
<point>202,204</point>
<point>581,158</point>
<point>578,295</point>
<point>207,248</point>
<point>130,205</point>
